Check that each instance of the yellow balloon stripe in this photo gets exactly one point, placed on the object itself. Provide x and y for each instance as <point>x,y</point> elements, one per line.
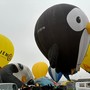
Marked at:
<point>86,62</point>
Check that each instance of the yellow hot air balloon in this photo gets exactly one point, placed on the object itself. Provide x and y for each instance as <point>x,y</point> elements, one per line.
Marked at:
<point>86,62</point>
<point>6,50</point>
<point>39,69</point>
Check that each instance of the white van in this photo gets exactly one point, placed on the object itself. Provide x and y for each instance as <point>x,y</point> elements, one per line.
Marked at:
<point>82,85</point>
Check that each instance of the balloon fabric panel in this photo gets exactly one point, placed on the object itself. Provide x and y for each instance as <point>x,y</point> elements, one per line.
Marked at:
<point>86,62</point>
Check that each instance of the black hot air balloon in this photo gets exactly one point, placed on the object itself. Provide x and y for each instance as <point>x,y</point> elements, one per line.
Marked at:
<point>61,33</point>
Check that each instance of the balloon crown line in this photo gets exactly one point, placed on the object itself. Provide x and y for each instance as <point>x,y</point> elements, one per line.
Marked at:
<point>6,55</point>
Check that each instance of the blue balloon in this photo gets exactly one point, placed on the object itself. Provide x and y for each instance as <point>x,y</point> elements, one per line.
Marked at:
<point>54,75</point>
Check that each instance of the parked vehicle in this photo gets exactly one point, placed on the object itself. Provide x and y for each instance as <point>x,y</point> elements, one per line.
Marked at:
<point>82,85</point>
<point>8,86</point>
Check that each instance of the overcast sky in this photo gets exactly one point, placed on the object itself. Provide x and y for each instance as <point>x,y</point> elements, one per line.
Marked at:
<point>17,22</point>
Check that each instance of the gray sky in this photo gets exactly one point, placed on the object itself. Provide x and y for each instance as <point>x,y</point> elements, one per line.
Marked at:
<point>17,22</point>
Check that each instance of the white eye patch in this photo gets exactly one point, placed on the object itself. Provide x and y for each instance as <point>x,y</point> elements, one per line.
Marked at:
<point>76,19</point>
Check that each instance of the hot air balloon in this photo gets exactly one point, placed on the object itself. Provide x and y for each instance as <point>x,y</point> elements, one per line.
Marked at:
<point>6,50</point>
<point>39,69</point>
<point>86,62</point>
<point>62,35</point>
<point>54,75</point>
<point>6,75</point>
<point>15,73</point>
<point>24,74</point>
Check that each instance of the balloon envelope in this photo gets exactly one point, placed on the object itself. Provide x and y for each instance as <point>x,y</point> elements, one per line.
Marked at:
<point>24,74</point>
<point>39,69</point>
<point>6,50</point>
<point>54,75</point>
<point>15,73</point>
<point>62,37</point>
<point>86,62</point>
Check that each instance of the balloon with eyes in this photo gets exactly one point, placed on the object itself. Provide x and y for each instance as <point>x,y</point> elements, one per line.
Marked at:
<point>62,35</point>
<point>16,73</point>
